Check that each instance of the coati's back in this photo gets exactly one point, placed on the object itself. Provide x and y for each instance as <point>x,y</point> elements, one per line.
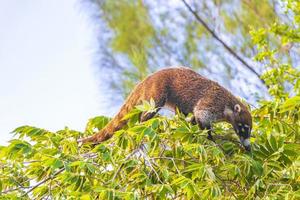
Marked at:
<point>178,87</point>
<point>185,88</point>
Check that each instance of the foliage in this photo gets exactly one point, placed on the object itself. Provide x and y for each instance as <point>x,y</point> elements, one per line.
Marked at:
<point>158,159</point>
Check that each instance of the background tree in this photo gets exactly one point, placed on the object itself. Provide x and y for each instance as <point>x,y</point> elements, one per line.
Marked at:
<point>145,36</point>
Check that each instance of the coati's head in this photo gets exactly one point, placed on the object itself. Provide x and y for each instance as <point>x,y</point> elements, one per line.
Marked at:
<point>241,120</point>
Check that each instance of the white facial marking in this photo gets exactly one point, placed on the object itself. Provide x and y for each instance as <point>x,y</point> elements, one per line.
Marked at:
<point>246,142</point>
<point>243,130</point>
<point>247,126</point>
<point>228,112</point>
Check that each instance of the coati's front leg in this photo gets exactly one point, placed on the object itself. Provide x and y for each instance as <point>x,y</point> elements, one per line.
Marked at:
<point>204,119</point>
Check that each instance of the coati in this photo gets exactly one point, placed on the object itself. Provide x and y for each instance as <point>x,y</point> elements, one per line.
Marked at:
<point>182,88</point>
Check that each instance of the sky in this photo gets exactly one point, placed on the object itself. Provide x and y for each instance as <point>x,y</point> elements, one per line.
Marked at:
<point>47,75</point>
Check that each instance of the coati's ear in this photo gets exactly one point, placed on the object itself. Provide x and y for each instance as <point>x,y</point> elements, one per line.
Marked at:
<point>237,108</point>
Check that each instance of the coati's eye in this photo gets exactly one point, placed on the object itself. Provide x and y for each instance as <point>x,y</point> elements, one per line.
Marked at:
<point>240,126</point>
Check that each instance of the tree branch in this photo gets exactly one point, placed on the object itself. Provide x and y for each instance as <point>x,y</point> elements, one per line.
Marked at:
<point>44,181</point>
<point>229,49</point>
<point>13,189</point>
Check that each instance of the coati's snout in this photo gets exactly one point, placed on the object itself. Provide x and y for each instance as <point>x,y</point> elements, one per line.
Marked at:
<point>244,133</point>
<point>242,125</point>
<point>241,120</point>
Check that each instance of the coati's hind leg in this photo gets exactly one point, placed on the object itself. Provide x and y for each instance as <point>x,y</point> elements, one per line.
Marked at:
<point>145,116</point>
<point>204,119</point>
<point>159,103</point>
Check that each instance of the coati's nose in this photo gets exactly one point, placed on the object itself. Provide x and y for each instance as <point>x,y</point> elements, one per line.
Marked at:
<point>246,143</point>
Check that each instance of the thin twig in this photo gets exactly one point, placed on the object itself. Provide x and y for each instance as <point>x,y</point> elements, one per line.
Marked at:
<point>226,187</point>
<point>169,158</point>
<point>44,181</point>
<point>121,166</point>
<point>226,46</point>
<point>17,188</point>
<point>150,165</point>
<point>13,189</point>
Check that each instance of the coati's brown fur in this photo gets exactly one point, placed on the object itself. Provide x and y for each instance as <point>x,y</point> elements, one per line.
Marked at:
<point>191,93</point>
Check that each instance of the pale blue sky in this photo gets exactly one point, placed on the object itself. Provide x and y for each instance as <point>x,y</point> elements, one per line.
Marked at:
<point>47,77</point>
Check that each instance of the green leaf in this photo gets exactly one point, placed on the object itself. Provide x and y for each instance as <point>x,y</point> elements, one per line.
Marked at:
<point>257,168</point>
<point>57,163</point>
<point>273,143</point>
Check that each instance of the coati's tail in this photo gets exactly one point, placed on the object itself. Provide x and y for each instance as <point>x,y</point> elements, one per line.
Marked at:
<point>152,87</point>
<point>115,124</point>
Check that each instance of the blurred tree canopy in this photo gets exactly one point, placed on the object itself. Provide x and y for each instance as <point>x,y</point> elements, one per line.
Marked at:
<point>169,158</point>
<point>138,37</point>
